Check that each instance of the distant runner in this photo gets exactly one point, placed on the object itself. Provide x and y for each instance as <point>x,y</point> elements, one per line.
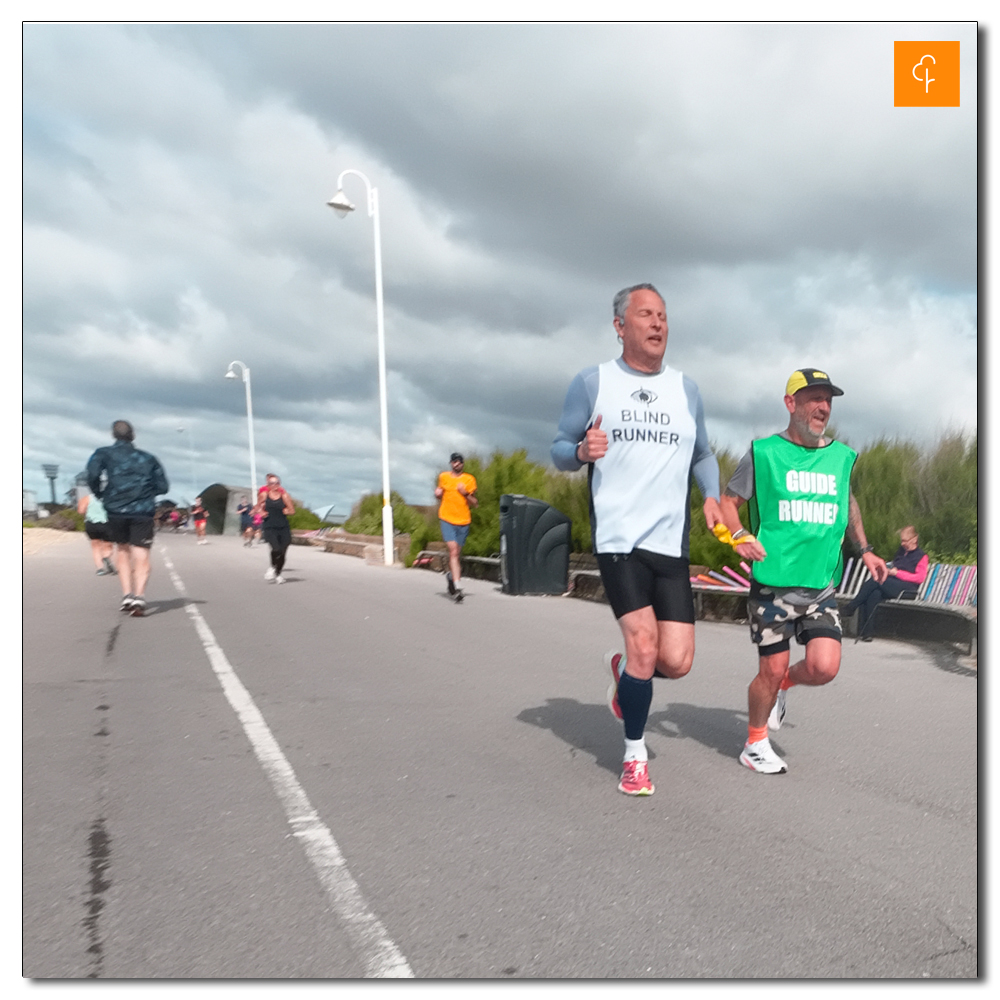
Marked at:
<point>245,510</point>
<point>275,506</point>
<point>457,492</point>
<point>133,480</point>
<point>798,483</point>
<point>95,523</point>
<point>200,516</point>
<point>639,425</point>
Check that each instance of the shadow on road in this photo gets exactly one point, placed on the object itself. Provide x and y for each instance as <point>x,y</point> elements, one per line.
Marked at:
<point>951,660</point>
<point>592,728</point>
<point>174,604</point>
<point>723,730</point>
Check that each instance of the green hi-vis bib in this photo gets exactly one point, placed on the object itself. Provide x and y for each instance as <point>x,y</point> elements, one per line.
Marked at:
<point>799,511</point>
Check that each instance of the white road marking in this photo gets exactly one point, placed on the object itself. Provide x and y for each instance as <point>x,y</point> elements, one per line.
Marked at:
<point>378,954</point>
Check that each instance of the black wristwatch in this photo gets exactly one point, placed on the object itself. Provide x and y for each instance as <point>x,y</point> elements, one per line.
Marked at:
<point>867,548</point>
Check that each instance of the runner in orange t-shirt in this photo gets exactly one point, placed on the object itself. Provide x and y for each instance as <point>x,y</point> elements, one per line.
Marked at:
<point>456,491</point>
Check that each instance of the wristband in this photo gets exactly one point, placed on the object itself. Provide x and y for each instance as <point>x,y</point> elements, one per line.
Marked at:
<point>722,533</point>
<point>867,549</point>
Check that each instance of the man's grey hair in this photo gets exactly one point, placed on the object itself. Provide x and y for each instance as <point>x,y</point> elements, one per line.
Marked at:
<point>621,299</point>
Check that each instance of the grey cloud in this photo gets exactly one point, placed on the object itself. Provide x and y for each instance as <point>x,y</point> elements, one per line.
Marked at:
<point>496,128</point>
<point>526,173</point>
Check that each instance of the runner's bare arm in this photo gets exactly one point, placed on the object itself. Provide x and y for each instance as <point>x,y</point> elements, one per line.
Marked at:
<point>856,532</point>
<point>730,507</point>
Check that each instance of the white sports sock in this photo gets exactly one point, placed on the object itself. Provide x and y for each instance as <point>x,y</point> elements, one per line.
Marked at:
<point>636,749</point>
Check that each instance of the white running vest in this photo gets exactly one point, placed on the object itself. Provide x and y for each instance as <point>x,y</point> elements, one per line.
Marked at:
<point>640,489</point>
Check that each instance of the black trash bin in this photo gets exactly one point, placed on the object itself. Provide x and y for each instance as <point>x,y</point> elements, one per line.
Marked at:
<point>534,546</point>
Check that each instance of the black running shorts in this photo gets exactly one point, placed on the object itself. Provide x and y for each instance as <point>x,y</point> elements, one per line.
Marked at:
<point>640,579</point>
<point>125,530</point>
<point>98,530</point>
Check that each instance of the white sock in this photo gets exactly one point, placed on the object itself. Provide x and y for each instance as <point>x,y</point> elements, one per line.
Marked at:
<point>636,749</point>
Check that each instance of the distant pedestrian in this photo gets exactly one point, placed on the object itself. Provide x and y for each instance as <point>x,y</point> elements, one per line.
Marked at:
<point>907,571</point>
<point>245,510</point>
<point>95,523</point>
<point>275,506</point>
<point>127,481</point>
<point>457,492</point>
<point>200,516</point>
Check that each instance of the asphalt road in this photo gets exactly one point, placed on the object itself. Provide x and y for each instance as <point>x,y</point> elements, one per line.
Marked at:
<point>461,767</point>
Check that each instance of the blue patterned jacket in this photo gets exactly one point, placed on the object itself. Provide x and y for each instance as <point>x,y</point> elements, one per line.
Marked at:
<point>134,479</point>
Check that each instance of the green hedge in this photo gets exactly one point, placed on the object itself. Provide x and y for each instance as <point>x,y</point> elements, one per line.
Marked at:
<point>896,484</point>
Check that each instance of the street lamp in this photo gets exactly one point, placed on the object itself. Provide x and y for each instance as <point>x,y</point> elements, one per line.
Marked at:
<point>253,459</point>
<point>51,472</point>
<point>342,205</point>
<point>193,483</point>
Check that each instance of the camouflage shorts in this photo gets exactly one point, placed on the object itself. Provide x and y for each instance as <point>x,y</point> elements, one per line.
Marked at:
<point>773,620</point>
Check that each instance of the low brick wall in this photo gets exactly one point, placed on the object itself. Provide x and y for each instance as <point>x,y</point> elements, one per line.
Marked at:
<point>718,606</point>
<point>481,568</point>
<point>361,546</point>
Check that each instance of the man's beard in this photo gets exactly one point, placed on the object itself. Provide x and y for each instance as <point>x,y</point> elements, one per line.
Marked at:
<point>807,433</point>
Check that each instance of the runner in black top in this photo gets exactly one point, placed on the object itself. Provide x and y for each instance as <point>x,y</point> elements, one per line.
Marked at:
<point>276,506</point>
<point>245,510</point>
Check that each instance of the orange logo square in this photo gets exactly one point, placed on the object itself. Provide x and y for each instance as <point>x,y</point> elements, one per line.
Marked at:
<point>926,75</point>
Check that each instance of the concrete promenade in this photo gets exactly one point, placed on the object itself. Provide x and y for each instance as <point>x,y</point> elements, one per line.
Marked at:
<point>349,775</point>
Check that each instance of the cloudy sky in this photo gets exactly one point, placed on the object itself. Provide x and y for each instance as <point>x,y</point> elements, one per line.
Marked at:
<point>175,180</point>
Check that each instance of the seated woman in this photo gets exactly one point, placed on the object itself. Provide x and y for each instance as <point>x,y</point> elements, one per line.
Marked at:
<point>907,571</point>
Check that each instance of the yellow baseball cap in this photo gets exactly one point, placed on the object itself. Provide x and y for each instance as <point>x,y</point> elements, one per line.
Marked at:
<point>805,377</point>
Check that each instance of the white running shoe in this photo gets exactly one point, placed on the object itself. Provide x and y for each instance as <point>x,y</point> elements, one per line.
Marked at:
<point>777,716</point>
<point>761,757</point>
<point>279,579</point>
<point>269,575</point>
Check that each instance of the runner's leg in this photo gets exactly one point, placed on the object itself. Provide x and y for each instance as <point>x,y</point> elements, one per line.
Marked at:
<point>635,688</point>
<point>763,689</point>
<point>819,666</point>
<point>282,541</point>
<point>675,652</point>
<point>455,561</point>
<point>123,563</point>
<point>97,548</point>
<point>140,569</point>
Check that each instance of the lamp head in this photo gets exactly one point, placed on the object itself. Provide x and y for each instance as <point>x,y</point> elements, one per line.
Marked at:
<point>230,374</point>
<point>341,204</point>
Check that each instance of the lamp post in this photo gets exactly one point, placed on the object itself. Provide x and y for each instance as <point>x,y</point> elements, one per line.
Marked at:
<point>253,458</point>
<point>194,488</point>
<point>51,472</point>
<point>341,205</point>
